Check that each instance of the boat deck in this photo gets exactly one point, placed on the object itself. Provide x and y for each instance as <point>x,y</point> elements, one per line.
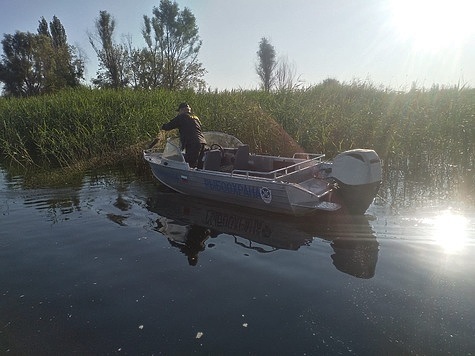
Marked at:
<point>295,169</point>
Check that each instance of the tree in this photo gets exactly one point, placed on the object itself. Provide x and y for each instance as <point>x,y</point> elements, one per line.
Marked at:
<point>266,64</point>
<point>18,64</point>
<point>39,63</point>
<point>286,75</point>
<point>151,58</point>
<point>67,66</point>
<point>58,34</point>
<point>112,57</point>
<point>172,52</point>
<point>43,28</point>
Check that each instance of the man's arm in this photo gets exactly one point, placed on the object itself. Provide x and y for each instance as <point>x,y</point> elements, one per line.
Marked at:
<point>173,124</point>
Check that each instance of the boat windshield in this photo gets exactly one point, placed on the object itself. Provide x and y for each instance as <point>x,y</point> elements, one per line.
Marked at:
<point>222,139</point>
<point>172,150</point>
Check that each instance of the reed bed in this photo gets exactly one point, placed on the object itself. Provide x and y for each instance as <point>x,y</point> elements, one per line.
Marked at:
<point>72,126</point>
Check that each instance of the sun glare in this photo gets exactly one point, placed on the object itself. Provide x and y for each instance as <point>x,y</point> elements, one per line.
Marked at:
<point>450,231</point>
<point>433,24</point>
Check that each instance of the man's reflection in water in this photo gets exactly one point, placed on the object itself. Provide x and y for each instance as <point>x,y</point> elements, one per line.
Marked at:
<point>189,239</point>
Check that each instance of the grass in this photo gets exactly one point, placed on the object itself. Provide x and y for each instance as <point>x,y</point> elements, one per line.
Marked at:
<point>74,126</point>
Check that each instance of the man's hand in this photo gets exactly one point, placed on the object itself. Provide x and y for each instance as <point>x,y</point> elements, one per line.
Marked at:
<point>153,143</point>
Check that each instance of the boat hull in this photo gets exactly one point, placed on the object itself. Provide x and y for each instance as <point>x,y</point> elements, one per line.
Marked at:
<point>252,192</point>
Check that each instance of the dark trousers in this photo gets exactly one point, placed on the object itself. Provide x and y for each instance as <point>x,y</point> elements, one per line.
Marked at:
<point>193,153</point>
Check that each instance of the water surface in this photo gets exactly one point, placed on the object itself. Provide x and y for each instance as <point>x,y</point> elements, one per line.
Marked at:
<point>113,263</point>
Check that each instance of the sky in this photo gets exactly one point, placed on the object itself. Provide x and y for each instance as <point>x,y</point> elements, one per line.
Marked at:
<point>390,43</point>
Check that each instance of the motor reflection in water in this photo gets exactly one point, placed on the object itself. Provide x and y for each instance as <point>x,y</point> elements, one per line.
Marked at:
<point>188,222</point>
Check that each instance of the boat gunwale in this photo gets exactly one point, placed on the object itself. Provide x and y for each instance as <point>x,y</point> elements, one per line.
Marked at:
<point>275,173</point>
<point>271,175</point>
<point>243,174</point>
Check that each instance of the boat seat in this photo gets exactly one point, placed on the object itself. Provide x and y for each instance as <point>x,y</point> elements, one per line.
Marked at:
<point>241,160</point>
<point>212,160</point>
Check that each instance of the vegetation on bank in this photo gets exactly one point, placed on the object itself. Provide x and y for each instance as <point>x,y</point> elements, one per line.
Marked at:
<point>78,125</point>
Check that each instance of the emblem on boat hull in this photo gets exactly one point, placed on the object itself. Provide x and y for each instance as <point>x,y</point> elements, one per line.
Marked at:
<point>266,195</point>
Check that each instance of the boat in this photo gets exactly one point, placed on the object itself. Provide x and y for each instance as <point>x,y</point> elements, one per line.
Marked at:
<point>191,224</point>
<point>299,185</point>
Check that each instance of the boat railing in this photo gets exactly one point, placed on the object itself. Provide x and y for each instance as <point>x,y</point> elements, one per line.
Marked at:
<point>308,155</point>
<point>285,171</point>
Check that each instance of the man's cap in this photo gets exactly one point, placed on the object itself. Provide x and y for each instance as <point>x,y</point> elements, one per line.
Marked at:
<point>181,106</point>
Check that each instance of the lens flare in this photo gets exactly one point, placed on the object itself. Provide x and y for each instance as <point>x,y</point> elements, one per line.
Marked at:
<point>450,231</point>
<point>433,24</point>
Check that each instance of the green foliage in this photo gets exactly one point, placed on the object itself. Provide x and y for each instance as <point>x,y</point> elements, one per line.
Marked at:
<point>169,60</point>
<point>40,63</point>
<point>172,49</point>
<point>112,57</point>
<point>266,64</point>
<point>74,125</point>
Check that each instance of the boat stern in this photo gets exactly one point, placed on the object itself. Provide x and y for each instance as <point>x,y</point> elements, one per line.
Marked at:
<point>358,174</point>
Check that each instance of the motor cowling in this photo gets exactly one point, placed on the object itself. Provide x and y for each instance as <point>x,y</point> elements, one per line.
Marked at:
<point>357,167</point>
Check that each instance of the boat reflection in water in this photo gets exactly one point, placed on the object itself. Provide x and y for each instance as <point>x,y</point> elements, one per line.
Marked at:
<point>188,222</point>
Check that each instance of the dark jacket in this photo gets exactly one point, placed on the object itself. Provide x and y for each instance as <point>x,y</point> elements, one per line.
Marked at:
<point>189,127</point>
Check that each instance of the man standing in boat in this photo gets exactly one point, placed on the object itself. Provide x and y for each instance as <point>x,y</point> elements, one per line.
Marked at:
<point>191,136</point>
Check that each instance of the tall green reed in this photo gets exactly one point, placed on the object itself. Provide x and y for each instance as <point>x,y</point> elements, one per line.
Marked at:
<point>75,125</point>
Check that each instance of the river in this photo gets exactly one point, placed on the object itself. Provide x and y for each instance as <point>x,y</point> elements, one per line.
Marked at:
<point>110,262</point>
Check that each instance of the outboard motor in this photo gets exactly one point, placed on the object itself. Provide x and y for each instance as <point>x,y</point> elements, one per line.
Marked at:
<point>357,167</point>
<point>358,176</point>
